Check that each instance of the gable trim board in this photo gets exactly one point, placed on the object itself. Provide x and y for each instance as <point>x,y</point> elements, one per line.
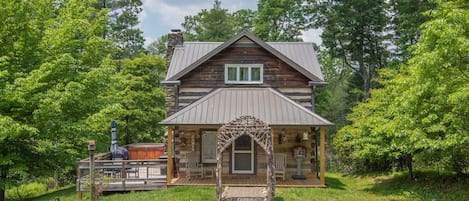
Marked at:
<point>225,104</point>
<point>300,56</point>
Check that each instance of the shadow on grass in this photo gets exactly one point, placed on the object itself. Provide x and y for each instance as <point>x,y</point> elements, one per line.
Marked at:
<point>279,199</point>
<point>428,185</point>
<point>334,183</point>
<point>67,191</point>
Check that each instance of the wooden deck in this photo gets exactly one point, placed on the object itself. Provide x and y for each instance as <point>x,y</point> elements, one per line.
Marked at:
<point>123,175</point>
<point>246,180</point>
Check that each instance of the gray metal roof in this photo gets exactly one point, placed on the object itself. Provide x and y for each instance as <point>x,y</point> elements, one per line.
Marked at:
<point>299,55</point>
<point>226,104</point>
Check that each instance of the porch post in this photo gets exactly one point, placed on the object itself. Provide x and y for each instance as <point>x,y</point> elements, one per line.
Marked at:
<point>169,165</point>
<point>322,157</point>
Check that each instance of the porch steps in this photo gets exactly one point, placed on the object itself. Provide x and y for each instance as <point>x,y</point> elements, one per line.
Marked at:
<point>233,193</point>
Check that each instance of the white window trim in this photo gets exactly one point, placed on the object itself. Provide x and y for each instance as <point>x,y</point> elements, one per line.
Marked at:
<point>233,161</point>
<point>249,66</point>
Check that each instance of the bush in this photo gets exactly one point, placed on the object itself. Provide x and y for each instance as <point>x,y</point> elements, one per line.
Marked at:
<point>26,191</point>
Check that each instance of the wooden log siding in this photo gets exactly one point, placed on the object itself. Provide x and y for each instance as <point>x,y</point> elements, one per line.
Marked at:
<point>277,73</point>
<point>190,95</point>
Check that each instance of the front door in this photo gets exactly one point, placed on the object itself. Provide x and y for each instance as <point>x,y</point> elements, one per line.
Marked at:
<point>243,155</point>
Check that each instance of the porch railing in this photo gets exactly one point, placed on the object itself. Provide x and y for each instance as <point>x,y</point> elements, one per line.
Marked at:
<point>122,175</point>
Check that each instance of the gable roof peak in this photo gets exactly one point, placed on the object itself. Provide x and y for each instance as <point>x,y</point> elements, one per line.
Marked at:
<point>312,72</point>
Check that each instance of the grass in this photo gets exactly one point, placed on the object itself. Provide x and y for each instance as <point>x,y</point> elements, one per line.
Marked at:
<point>427,186</point>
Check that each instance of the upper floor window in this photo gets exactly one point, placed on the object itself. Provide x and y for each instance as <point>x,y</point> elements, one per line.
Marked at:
<point>244,73</point>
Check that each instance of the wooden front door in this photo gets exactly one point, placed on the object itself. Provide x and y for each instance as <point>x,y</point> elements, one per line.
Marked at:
<point>243,155</point>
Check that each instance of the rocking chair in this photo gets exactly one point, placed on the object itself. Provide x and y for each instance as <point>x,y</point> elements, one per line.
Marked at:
<point>193,167</point>
<point>280,164</point>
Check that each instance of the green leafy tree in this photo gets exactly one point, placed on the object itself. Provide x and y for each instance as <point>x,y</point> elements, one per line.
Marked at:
<point>52,73</point>
<point>158,47</point>
<point>355,32</point>
<point>282,20</point>
<point>421,112</point>
<point>209,25</point>
<point>122,26</point>
<point>243,19</point>
<point>408,16</point>
<point>137,101</point>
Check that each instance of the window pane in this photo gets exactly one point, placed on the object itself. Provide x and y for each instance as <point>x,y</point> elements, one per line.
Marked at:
<point>243,143</point>
<point>242,161</point>
<point>232,73</point>
<point>255,74</point>
<point>243,74</point>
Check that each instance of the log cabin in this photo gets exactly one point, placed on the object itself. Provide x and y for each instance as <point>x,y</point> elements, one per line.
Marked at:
<point>233,106</point>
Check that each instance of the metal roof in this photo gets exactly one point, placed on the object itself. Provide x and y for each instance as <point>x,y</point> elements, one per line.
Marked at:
<point>226,104</point>
<point>299,55</point>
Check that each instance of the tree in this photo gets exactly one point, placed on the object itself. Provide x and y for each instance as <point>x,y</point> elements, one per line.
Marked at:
<point>158,47</point>
<point>420,113</point>
<point>282,20</point>
<point>122,26</point>
<point>137,101</point>
<point>209,25</point>
<point>52,70</point>
<point>407,18</point>
<point>355,32</point>
<point>243,19</point>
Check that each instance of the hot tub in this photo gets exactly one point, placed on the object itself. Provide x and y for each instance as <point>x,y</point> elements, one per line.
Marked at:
<point>145,151</point>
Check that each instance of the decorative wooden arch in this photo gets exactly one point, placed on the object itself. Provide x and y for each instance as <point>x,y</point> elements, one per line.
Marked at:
<point>260,132</point>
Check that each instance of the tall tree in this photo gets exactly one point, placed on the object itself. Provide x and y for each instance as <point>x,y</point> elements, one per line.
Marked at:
<point>406,20</point>
<point>47,95</point>
<point>158,47</point>
<point>421,112</point>
<point>20,33</point>
<point>355,32</point>
<point>137,101</point>
<point>243,19</point>
<point>122,26</point>
<point>282,20</point>
<point>209,25</point>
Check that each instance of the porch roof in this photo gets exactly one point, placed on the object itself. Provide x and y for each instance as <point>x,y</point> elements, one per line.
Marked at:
<point>226,104</point>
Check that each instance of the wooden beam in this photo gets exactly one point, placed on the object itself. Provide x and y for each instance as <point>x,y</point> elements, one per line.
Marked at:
<point>322,157</point>
<point>169,166</point>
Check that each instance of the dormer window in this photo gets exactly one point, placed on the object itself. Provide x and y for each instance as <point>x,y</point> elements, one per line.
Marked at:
<point>244,73</point>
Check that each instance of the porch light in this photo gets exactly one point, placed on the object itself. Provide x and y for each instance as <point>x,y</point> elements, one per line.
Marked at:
<point>305,136</point>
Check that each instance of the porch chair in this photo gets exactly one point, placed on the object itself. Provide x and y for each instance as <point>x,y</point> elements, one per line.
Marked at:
<point>280,164</point>
<point>193,167</point>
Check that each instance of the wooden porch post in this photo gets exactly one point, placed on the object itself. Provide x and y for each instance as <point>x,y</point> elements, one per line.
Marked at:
<point>169,165</point>
<point>322,157</point>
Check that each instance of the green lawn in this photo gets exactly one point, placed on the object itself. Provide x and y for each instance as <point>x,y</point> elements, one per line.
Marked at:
<point>429,186</point>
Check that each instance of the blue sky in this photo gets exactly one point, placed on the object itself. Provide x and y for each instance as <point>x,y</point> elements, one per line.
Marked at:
<point>159,16</point>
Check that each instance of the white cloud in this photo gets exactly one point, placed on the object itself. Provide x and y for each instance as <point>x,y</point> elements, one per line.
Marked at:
<point>172,15</point>
<point>312,35</point>
<point>148,41</point>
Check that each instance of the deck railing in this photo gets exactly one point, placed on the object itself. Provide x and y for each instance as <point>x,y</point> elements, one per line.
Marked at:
<point>122,175</point>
